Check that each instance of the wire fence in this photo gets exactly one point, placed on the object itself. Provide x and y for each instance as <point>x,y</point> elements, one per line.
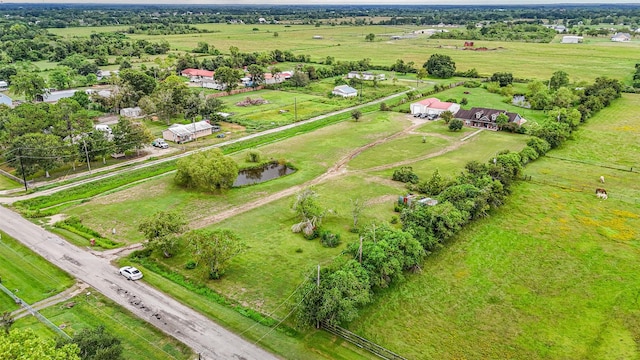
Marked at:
<point>361,342</point>
<point>613,166</point>
<point>34,312</point>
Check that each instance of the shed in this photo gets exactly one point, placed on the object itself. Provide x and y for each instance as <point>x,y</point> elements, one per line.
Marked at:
<point>5,100</point>
<point>344,91</point>
<point>132,112</point>
<point>571,39</point>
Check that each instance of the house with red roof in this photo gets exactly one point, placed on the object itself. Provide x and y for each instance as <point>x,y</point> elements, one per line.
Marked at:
<point>197,75</point>
<point>433,106</point>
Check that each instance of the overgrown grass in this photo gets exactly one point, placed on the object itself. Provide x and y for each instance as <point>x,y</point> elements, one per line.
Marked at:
<point>28,275</point>
<point>552,274</point>
<point>139,339</point>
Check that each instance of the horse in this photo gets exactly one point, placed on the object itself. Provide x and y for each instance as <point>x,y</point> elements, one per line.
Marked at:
<point>602,179</point>
<point>601,193</point>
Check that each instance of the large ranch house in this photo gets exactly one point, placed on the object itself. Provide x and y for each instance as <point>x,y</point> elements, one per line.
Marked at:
<point>486,118</point>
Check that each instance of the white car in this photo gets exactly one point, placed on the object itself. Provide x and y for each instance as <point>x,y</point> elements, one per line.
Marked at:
<point>131,273</point>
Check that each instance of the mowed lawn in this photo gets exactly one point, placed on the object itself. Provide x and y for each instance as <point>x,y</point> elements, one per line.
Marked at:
<point>28,275</point>
<point>139,339</point>
<point>553,274</point>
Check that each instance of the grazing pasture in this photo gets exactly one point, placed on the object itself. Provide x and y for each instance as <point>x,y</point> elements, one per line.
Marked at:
<point>552,274</point>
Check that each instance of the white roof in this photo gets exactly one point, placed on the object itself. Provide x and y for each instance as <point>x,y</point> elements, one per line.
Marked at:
<point>345,89</point>
<point>188,129</point>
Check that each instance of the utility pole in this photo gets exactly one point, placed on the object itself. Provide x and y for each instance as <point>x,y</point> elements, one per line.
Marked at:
<point>24,178</point>
<point>318,289</point>
<point>295,109</point>
<point>86,154</point>
<point>360,250</point>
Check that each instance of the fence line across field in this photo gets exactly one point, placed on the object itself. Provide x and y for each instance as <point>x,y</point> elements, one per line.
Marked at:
<point>34,312</point>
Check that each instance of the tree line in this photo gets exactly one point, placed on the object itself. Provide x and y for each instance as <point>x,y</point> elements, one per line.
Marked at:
<point>384,253</point>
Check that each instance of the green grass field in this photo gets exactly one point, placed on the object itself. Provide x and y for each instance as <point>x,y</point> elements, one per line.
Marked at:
<point>525,60</point>
<point>139,339</point>
<point>552,274</point>
<point>28,275</point>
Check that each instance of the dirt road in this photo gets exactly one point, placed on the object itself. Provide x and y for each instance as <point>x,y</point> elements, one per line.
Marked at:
<point>185,324</point>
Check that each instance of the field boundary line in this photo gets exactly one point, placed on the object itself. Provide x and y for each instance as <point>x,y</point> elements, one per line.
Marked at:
<point>614,167</point>
<point>361,342</point>
<point>34,312</point>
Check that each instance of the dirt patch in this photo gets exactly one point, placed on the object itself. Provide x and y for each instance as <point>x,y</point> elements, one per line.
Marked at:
<point>55,218</point>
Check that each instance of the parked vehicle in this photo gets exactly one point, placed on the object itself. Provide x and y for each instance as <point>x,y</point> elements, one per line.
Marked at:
<point>220,135</point>
<point>160,143</point>
<point>130,273</point>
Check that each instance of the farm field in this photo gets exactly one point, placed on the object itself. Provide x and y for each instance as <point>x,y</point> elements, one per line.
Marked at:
<point>139,339</point>
<point>552,274</point>
<point>28,275</point>
<point>524,60</point>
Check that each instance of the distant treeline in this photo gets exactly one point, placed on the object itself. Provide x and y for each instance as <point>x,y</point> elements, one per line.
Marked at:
<point>59,16</point>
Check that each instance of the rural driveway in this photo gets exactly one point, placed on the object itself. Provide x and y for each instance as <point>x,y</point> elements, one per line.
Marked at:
<point>185,324</point>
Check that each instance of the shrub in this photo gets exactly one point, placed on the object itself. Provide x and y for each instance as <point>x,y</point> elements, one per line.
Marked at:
<point>471,84</point>
<point>190,265</point>
<point>394,219</point>
<point>406,175</point>
<point>254,156</point>
<point>329,239</point>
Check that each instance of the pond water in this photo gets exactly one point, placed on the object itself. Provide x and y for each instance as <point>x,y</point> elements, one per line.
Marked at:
<point>258,175</point>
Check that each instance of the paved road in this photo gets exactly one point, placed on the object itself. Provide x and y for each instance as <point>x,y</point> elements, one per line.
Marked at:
<point>185,324</point>
<point>113,170</point>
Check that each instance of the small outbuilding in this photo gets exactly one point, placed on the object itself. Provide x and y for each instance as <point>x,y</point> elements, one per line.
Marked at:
<point>5,100</point>
<point>132,112</point>
<point>621,37</point>
<point>344,91</point>
<point>571,39</point>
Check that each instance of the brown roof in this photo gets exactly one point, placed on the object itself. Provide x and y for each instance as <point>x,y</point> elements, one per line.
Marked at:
<point>485,115</point>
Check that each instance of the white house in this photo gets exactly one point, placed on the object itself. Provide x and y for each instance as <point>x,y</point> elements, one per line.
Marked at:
<point>433,106</point>
<point>180,133</point>
<point>620,37</point>
<point>132,112</point>
<point>571,39</point>
<point>3,85</point>
<point>344,91</point>
<point>367,75</point>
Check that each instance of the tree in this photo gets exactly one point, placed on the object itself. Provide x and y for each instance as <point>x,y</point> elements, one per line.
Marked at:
<point>309,212</point>
<point>502,120</point>
<point>385,253</point>
<point>421,74</point>
<point>370,37</point>
<point>357,206</point>
<point>60,77</point>
<point>210,107</point>
<point>257,74</point>
<point>6,321</point>
<point>299,79</point>
<point>128,135</point>
<point>343,288</point>
<point>209,171</point>
<point>96,344</point>
<point>82,98</point>
<point>28,84</point>
<point>215,248</point>
<point>441,66</point>
<point>161,231</point>
<point>558,79</point>
<point>228,77</point>
<point>25,344</point>
<point>356,115</point>
<point>97,144</point>
<point>34,151</point>
<point>447,116</point>
<point>564,98</point>
<point>502,78</point>
<point>406,175</point>
<point>455,125</point>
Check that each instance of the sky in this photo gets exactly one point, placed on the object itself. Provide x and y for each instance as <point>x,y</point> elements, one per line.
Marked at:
<point>329,2</point>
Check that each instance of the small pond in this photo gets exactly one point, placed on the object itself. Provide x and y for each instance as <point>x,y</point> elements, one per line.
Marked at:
<point>262,174</point>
